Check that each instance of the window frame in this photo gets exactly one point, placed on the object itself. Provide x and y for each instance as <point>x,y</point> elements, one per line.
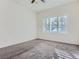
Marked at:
<point>57,29</point>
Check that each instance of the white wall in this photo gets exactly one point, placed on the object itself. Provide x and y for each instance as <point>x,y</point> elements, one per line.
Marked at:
<point>17,23</point>
<point>72,12</point>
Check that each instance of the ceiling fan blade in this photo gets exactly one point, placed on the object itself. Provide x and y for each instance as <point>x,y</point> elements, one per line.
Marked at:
<point>32,1</point>
<point>43,1</point>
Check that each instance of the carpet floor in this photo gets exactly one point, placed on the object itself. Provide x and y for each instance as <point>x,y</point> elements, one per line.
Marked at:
<point>49,50</point>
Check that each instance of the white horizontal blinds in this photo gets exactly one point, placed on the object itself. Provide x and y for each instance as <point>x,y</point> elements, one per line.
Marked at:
<point>53,24</point>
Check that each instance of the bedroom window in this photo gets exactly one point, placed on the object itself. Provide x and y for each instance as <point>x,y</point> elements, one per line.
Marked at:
<point>55,24</point>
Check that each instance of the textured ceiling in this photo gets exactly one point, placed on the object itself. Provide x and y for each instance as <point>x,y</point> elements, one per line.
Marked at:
<point>39,6</point>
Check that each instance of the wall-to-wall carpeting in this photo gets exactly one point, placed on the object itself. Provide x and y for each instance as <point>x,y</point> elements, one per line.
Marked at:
<point>40,49</point>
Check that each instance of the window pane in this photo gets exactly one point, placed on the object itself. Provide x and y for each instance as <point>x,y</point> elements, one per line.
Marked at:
<point>53,24</point>
<point>53,29</point>
<point>47,25</point>
<point>61,29</point>
<point>61,23</point>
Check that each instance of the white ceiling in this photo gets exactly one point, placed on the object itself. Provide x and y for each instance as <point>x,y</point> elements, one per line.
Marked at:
<point>42,6</point>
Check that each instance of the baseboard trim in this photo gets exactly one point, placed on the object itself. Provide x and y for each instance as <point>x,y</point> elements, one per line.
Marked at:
<point>56,41</point>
